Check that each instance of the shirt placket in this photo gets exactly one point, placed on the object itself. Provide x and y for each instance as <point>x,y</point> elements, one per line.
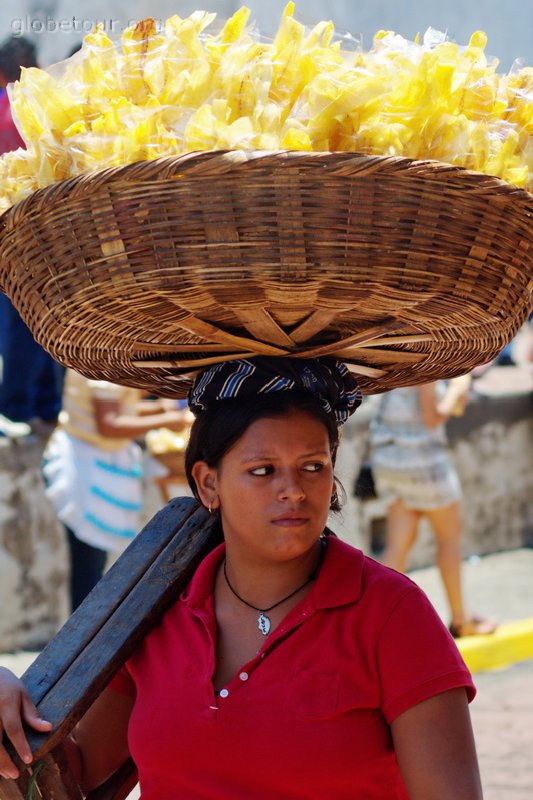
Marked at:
<point>293,621</point>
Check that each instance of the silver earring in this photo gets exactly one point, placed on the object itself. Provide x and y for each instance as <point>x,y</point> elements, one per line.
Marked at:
<point>210,506</point>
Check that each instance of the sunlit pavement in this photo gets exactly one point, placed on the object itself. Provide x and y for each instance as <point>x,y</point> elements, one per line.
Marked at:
<point>499,586</point>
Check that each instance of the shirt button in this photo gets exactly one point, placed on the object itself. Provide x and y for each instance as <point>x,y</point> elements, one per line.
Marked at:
<point>243,676</point>
<point>223,693</point>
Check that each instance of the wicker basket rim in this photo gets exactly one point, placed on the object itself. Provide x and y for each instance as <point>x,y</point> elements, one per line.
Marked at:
<point>204,164</point>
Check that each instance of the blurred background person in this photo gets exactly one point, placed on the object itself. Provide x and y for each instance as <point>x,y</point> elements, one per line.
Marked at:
<point>413,472</point>
<point>15,52</point>
<point>93,471</point>
<point>30,385</point>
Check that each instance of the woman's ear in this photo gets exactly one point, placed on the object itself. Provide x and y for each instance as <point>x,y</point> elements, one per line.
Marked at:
<point>205,479</point>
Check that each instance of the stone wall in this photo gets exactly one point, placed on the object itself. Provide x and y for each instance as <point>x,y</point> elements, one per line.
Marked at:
<point>33,558</point>
<point>33,552</point>
<point>492,446</point>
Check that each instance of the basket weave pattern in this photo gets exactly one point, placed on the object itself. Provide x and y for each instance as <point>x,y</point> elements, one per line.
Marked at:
<point>408,271</point>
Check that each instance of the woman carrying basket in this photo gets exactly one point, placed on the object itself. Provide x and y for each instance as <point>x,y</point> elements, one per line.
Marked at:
<point>331,672</point>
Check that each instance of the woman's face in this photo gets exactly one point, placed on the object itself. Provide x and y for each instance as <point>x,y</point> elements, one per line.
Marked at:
<point>273,487</point>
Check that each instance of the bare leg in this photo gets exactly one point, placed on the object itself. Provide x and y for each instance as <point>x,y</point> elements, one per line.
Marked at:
<point>402,529</point>
<point>447,525</point>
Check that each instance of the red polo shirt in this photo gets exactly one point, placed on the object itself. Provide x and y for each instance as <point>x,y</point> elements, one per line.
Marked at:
<point>308,717</point>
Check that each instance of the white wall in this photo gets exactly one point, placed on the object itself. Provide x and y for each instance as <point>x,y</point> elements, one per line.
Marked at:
<point>508,23</point>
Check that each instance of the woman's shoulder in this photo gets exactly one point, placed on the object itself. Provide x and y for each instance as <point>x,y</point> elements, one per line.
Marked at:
<point>374,581</point>
<point>373,569</point>
<point>377,574</point>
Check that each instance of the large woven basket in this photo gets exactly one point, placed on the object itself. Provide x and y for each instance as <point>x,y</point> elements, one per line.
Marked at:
<point>408,271</point>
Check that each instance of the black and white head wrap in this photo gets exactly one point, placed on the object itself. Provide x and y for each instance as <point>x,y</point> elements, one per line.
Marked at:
<point>326,378</point>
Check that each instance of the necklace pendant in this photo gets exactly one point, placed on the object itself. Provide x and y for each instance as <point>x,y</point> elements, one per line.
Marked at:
<point>264,624</point>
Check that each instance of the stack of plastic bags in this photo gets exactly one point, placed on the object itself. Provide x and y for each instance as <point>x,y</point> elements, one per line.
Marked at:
<point>180,89</point>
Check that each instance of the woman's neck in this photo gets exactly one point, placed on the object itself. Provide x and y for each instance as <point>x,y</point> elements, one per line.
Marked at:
<point>263,583</point>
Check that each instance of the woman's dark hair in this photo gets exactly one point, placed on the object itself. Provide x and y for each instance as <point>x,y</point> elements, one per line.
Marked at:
<point>216,430</point>
<point>16,52</point>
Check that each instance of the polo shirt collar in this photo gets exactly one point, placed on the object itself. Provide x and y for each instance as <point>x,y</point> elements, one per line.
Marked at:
<point>339,581</point>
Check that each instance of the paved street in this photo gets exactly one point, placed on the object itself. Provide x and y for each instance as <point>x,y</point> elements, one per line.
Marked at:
<point>499,585</point>
<point>502,714</point>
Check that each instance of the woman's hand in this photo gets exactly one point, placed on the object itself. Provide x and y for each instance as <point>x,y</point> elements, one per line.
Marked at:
<point>177,420</point>
<point>436,412</point>
<point>454,402</point>
<point>16,707</point>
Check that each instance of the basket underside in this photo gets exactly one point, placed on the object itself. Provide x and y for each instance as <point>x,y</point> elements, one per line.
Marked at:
<point>141,275</point>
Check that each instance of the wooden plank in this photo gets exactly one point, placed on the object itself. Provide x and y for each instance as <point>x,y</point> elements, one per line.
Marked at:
<point>55,780</point>
<point>14,790</point>
<point>263,326</point>
<point>73,692</point>
<point>212,334</point>
<point>156,347</point>
<point>313,325</point>
<point>361,338</point>
<point>49,778</point>
<point>408,339</point>
<point>192,363</point>
<point>379,355</point>
<point>100,604</point>
<point>361,369</point>
<point>19,789</point>
<point>119,785</point>
<point>79,662</point>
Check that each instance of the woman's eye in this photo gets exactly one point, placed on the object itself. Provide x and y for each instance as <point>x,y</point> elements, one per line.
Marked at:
<point>268,469</point>
<point>260,471</point>
<point>316,467</point>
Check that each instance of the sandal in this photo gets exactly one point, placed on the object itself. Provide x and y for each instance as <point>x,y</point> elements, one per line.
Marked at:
<point>474,626</point>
